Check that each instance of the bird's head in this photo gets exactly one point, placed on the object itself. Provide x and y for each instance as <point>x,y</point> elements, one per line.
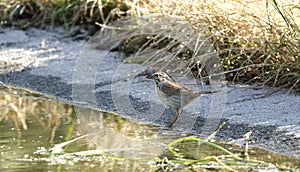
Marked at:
<point>159,77</point>
<point>156,75</point>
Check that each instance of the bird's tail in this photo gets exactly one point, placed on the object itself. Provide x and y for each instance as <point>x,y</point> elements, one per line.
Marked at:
<point>188,99</point>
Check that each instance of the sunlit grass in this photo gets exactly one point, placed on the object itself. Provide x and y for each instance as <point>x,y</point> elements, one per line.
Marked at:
<point>257,41</point>
<point>42,13</point>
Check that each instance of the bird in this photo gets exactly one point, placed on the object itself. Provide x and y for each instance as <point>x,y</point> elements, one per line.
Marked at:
<point>173,94</point>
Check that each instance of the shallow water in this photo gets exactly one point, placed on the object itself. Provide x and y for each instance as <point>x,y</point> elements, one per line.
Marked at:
<point>30,125</point>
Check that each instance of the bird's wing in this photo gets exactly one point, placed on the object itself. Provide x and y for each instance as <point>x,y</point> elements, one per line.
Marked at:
<point>170,88</point>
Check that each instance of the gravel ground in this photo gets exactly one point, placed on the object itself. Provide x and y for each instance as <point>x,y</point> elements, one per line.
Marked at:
<point>55,64</point>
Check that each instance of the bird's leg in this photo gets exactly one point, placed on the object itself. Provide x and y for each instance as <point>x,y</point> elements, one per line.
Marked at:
<point>178,113</point>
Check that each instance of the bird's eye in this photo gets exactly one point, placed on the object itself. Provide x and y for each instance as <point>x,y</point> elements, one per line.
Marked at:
<point>156,75</point>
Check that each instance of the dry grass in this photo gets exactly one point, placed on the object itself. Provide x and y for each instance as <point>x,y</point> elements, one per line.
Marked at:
<point>43,13</point>
<point>257,41</point>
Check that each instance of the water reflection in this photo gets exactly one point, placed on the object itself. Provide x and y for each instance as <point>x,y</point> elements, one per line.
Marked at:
<point>25,109</point>
<point>111,132</point>
<point>122,137</point>
<point>30,122</point>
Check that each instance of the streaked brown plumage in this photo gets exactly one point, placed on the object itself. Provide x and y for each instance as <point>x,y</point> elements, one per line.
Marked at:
<point>172,93</point>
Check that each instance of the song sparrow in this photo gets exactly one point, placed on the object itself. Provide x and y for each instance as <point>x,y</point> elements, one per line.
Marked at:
<point>172,93</point>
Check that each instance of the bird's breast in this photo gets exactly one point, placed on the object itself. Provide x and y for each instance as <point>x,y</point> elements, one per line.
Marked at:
<point>173,101</point>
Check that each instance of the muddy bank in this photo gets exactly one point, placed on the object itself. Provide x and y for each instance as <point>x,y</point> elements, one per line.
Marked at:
<point>50,62</point>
